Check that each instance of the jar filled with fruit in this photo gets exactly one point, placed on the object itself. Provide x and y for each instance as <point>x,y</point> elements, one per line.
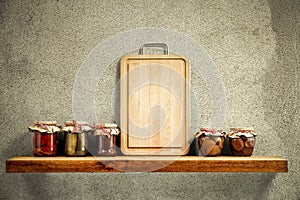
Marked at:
<point>211,141</point>
<point>242,141</point>
<point>44,138</point>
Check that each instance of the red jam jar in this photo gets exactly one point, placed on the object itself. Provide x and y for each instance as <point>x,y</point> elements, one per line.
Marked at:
<point>211,141</point>
<point>241,141</point>
<point>45,138</point>
<point>107,138</point>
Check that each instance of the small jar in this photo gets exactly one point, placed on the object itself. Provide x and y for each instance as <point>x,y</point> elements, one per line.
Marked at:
<point>45,138</point>
<point>241,141</point>
<point>211,141</point>
<point>107,138</point>
<point>61,143</point>
<point>82,140</point>
<point>92,143</point>
<point>75,138</point>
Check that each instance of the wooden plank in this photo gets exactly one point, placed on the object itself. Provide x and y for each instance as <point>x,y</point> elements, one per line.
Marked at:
<point>147,164</point>
<point>155,105</point>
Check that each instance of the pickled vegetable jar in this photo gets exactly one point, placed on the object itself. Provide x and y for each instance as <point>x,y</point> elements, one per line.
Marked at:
<point>211,141</point>
<point>107,138</point>
<point>75,138</point>
<point>45,138</point>
<point>241,141</point>
<point>82,140</point>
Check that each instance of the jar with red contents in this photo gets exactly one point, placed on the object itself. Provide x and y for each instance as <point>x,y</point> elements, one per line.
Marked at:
<point>45,138</point>
<point>242,141</point>
<point>107,138</point>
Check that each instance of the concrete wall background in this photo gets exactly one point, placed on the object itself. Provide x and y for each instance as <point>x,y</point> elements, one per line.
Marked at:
<point>254,43</point>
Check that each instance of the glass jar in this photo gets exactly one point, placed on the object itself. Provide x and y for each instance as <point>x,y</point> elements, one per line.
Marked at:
<point>211,141</point>
<point>75,138</point>
<point>61,143</point>
<point>45,138</point>
<point>82,140</point>
<point>107,138</point>
<point>241,141</point>
<point>92,143</point>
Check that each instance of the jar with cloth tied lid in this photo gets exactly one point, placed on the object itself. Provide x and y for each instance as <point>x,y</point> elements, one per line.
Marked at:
<point>242,141</point>
<point>107,138</point>
<point>45,138</point>
<point>211,141</point>
<point>76,138</point>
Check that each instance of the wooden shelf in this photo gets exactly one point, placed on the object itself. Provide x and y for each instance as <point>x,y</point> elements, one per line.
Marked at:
<point>147,164</point>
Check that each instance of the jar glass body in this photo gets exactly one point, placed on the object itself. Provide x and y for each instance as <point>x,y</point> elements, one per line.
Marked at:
<point>70,143</point>
<point>92,143</point>
<point>61,143</point>
<point>44,144</point>
<point>82,143</point>
<point>211,141</point>
<point>211,145</point>
<point>107,145</point>
<point>241,142</point>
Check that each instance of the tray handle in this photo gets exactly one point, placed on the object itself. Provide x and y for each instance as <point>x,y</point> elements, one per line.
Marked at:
<point>160,45</point>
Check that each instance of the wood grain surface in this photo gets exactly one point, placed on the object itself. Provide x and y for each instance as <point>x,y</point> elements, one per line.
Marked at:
<point>155,105</point>
<point>147,164</point>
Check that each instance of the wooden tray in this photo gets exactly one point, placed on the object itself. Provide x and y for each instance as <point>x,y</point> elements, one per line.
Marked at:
<point>155,104</point>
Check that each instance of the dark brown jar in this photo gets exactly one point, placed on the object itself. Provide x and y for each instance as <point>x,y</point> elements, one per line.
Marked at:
<point>211,141</point>
<point>107,138</point>
<point>75,138</point>
<point>45,138</point>
<point>241,141</point>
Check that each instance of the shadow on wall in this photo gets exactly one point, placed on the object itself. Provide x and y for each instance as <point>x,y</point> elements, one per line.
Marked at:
<point>280,92</point>
<point>239,186</point>
<point>280,86</point>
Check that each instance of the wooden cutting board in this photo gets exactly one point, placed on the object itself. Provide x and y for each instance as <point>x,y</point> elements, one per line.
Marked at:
<point>155,105</point>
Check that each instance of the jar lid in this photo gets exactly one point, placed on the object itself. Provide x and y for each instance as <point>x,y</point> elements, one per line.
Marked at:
<point>86,128</point>
<point>106,129</point>
<point>53,123</point>
<point>242,129</point>
<point>239,134</point>
<point>68,129</point>
<point>45,127</point>
<point>106,125</point>
<point>209,132</point>
<point>74,122</point>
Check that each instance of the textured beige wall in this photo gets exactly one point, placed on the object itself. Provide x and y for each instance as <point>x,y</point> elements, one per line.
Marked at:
<point>255,45</point>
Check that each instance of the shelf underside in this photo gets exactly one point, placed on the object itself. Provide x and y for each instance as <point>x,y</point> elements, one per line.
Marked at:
<point>147,164</point>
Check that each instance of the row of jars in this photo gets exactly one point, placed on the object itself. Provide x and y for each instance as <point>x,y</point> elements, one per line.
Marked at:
<point>76,138</point>
<point>212,141</point>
